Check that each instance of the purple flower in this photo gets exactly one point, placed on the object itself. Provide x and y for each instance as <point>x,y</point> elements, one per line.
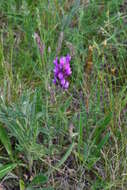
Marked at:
<point>66,85</point>
<point>56,70</point>
<point>67,69</point>
<point>68,58</point>
<point>63,81</point>
<point>63,60</point>
<point>60,76</point>
<point>62,71</point>
<point>55,61</point>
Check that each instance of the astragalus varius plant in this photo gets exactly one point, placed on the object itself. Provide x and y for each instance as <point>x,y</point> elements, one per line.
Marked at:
<point>62,71</point>
<point>22,122</point>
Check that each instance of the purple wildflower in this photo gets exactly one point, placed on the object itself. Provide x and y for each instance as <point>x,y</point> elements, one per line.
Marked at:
<point>55,61</point>
<point>68,58</point>
<point>62,71</point>
<point>60,76</point>
<point>63,81</point>
<point>66,85</point>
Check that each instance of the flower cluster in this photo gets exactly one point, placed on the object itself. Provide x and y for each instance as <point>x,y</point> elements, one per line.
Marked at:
<point>62,71</point>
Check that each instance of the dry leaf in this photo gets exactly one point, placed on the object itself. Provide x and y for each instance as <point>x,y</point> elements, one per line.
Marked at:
<point>40,45</point>
<point>71,128</point>
<point>87,104</point>
<point>89,61</point>
<point>113,71</point>
<point>1,187</point>
<point>105,43</point>
<point>71,48</point>
<point>71,131</point>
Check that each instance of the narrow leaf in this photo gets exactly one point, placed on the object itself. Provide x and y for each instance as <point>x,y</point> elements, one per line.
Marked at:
<point>65,156</point>
<point>102,127</point>
<point>39,180</point>
<point>21,184</point>
<point>6,141</point>
<point>103,141</point>
<point>4,170</point>
<point>47,188</point>
<point>68,18</point>
<point>80,134</point>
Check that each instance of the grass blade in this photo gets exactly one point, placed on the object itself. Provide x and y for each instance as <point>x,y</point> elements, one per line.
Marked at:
<point>4,170</point>
<point>22,185</point>
<point>6,141</point>
<point>102,125</point>
<point>80,135</point>
<point>67,20</point>
<point>65,156</point>
<point>39,180</point>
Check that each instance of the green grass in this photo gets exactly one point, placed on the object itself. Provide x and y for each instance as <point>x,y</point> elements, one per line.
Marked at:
<point>55,139</point>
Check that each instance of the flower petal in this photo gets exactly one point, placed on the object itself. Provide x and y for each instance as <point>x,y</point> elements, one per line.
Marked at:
<point>60,75</point>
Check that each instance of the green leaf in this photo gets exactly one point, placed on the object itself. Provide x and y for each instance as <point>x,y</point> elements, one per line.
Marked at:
<point>39,180</point>
<point>6,169</point>
<point>6,141</point>
<point>103,141</point>
<point>68,18</point>
<point>101,127</point>
<point>80,134</point>
<point>30,188</point>
<point>47,188</point>
<point>21,184</point>
<point>65,156</point>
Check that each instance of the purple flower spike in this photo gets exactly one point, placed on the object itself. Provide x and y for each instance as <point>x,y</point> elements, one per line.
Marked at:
<point>62,71</point>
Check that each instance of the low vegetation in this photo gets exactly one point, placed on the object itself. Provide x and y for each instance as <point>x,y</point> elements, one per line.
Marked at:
<point>69,135</point>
